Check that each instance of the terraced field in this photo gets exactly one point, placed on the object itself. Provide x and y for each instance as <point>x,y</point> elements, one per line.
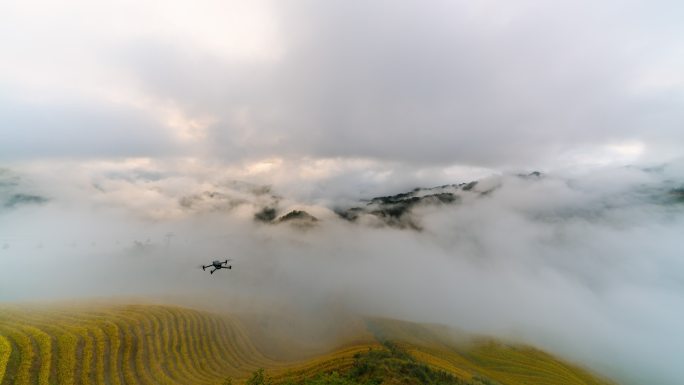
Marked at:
<point>119,345</point>
<point>153,344</point>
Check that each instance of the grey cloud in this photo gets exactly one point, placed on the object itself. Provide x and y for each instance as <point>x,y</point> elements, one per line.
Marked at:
<point>494,84</point>
<point>79,128</point>
<point>502,85</point>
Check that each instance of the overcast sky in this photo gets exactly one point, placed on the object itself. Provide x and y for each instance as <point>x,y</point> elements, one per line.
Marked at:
<point>494,84</point>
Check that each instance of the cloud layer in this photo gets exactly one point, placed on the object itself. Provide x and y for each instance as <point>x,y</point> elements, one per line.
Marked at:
<point>587,266</point>
<point>489,84</point>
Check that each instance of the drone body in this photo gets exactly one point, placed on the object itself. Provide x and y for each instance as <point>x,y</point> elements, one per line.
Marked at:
<point>217,265</point>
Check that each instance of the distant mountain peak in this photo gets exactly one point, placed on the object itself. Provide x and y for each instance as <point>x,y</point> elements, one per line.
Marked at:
<point>395,210</point>
<point>298,218</point>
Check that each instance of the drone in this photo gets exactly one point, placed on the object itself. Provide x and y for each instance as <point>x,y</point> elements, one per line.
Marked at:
<point>217,265</point>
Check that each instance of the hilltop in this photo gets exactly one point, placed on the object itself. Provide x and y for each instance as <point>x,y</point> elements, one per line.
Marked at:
<point>154,344</point>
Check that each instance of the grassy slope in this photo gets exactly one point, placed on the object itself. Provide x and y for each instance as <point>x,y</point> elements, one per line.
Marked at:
<point>467,357</point>
<point>151,344</point>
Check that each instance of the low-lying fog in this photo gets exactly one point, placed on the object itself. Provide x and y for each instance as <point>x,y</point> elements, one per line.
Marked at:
<point>588,266</point>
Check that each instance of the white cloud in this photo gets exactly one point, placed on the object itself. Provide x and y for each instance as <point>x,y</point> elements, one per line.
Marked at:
<point>492,84</point>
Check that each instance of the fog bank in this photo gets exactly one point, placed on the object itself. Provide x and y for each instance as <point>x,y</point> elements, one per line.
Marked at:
<point>587,266</point>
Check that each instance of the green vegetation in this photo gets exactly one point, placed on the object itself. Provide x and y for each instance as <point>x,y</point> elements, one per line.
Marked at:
<point>390,365</point>
<point>24,199</point>
<point>267,214</point>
